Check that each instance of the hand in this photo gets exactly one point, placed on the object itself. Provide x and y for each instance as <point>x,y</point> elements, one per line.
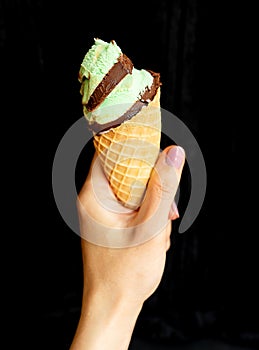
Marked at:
<point>122,272</point>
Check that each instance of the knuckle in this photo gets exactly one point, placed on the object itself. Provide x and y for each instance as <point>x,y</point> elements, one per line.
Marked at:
<point>164,190</point>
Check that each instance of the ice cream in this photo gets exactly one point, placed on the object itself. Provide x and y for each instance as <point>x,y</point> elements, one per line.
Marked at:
<point>111,85</point>
<point>122,107</point>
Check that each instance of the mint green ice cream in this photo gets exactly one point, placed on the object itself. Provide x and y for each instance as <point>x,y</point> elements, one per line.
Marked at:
<point>96,64</point>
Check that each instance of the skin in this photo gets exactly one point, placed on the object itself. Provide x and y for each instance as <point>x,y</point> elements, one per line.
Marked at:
<point>117,281</point>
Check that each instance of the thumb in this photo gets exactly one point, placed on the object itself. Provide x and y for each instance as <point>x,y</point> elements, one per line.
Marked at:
<point>163,184</point>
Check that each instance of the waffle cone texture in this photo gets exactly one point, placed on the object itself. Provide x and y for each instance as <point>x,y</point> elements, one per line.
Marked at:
<point>128,153</point>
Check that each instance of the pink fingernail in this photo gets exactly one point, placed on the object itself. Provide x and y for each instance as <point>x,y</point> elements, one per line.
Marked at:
<point>175,157</point>
<point>175,209</point>
<point>174,213</point>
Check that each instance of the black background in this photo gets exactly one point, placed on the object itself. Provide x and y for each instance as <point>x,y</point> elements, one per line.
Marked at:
<point>209,288</point>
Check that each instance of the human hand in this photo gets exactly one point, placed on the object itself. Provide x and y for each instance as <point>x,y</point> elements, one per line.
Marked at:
<point>124,251</point>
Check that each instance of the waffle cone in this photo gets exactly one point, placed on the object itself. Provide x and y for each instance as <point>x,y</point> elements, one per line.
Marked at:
<point>128,153</point>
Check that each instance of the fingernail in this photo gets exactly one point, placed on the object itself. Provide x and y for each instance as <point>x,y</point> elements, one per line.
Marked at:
<point>175,157</point>
<point>173,214</point>
<point>175,209</point>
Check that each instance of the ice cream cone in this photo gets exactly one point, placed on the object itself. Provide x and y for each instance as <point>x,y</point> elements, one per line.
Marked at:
<point>128,153</point>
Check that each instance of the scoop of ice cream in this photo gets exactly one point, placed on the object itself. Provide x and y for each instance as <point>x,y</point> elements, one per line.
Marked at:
<point>110,85</point>
<point>96,64</point>
<point>121,98</point>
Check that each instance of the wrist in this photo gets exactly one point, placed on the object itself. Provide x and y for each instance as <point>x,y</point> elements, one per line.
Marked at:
<point>105,322</point>
<point>109,307</point>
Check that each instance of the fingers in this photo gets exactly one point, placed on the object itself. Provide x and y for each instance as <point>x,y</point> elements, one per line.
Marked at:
<point>97,186</point>
<point>163,184</point>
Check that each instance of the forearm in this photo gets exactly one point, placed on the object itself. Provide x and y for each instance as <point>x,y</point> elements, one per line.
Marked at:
<point>105,323</point>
